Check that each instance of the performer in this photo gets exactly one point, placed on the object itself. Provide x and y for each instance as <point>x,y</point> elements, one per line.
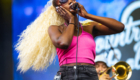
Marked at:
<point>55,30</point>
<point>101,66</point>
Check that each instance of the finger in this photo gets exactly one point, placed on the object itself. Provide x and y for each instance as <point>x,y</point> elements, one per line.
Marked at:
<point>61,14</point>
<point>74,2</point>
<point>104,79</point>
<point>107,76</point>
<point>59,10</point>
<point>80,6</point>
<point>71,4</point>
<point>64,9</point>
<point>112,77</point>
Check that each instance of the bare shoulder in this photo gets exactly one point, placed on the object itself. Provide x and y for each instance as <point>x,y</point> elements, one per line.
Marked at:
<point>89,27</point>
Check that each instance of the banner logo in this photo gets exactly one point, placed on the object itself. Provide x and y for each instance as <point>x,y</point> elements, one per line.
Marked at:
<point>127,43</point>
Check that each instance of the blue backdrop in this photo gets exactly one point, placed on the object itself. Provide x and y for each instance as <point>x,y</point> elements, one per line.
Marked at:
<point>126,44</point>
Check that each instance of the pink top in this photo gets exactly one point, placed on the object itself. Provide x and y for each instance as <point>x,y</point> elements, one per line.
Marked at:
<point>86,50</point>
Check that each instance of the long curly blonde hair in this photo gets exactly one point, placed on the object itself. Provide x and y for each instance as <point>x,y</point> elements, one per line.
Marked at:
<point>34,46</point>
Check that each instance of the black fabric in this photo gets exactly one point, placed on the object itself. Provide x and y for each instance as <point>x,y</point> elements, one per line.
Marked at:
<point>84,72</point>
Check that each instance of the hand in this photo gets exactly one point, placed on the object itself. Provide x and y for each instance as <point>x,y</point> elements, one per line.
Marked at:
<point>64,13</point>
<point>82,12</point>
<point>104,77</point>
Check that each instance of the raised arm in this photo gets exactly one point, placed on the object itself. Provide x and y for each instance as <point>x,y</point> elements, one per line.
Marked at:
<point>62,38</point>
<point>104,25</point>
<point>101,25</point>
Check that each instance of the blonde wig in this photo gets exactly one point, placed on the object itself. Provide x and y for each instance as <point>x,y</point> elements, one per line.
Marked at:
<point>34,46</point>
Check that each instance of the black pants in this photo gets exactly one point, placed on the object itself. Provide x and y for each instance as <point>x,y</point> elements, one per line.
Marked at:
<point>84,72</point>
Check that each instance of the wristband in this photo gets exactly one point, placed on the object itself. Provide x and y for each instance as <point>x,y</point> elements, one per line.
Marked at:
<point>72,23</point>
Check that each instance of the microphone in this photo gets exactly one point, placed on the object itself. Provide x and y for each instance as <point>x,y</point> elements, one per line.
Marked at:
<point>74,6</point>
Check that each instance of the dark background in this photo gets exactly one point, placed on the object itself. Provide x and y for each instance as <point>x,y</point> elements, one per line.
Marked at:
<point>6,61</point>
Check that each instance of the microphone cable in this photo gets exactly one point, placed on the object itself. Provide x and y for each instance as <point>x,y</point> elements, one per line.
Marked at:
<point>75,67</point>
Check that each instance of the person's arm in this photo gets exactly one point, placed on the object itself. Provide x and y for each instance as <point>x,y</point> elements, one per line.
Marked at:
<point>62,39</point>
<point>106,25</point>
<point>101,25</point>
